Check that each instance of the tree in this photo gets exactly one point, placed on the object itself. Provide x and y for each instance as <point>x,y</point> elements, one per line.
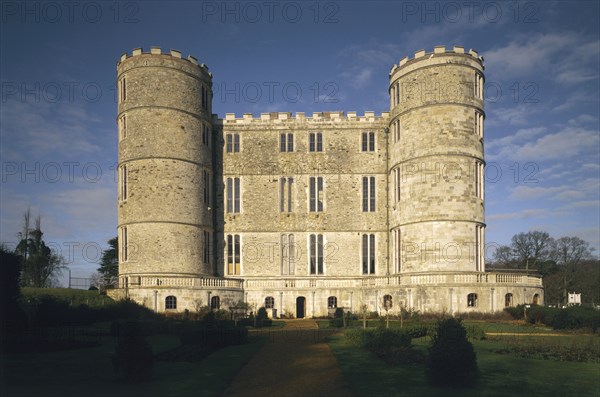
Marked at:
<point>531,247</point>
<point>568,252</point>
<point>504,256</point>
<point>40,265</point>
<point>101,282</point>
<point>452,360</point>
<point>108,272</point>
<point>109,264</point>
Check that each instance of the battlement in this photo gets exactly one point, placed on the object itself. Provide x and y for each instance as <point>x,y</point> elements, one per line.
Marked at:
<point>437,51</point>
<point>283,117</point>
<point>158,51</point>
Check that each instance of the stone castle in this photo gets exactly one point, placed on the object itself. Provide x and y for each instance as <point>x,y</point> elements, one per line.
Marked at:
<point>307,213</point>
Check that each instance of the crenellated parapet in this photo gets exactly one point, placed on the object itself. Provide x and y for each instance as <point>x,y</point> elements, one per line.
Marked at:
<point>284,118</point>
<point>158,51</point>
<point>438,51</point>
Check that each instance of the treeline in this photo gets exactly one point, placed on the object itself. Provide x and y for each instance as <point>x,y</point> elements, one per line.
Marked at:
<point>566,264</point>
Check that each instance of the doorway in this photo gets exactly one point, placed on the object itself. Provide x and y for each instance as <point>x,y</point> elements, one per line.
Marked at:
<point>300,306</point>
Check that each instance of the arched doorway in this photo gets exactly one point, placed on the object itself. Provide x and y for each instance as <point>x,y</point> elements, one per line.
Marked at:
<point>300,306</point>
<point>536,299</point>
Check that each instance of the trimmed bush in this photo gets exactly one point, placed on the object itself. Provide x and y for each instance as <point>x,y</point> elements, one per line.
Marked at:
<point>452,360</point>
<point>379,339</point>
<point>261,317</point>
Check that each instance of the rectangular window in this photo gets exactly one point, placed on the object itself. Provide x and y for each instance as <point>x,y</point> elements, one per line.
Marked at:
<point>479,124</point>
<point>123,96</point>
<point>206,247</point>
<point>206,176</point>
<point>286,142</point>
<point>368,194</point>
<point>123,184</point>
<point>479,171</point>
<point>236,143</point>
<point>124,244</point>
<point>397,183</point>
<point>398,127</point>
<point>233,254</point>
<point>206,136</point>
<point>478,86</point>
<point>364,146</point>
<point>397,251</point>
<point>315,142</point>
<point>232,142</point>
<point>123,126</point>
<point>233,195</point>
<point>479,249</point>
<point>288,254</point>
<point>397,93</point>
<point>285,194</point>
<point>316,253</point>
<point>368,142</point>
<point>368,254</point>
<point>316,194</point>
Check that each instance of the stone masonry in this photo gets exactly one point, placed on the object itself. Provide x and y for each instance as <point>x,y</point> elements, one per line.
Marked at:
<point>305,213</point>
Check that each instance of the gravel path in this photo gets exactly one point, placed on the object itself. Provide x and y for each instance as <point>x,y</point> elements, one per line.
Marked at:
<point>295,361</point>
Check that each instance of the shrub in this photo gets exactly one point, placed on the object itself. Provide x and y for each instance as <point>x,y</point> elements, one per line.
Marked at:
<point>379,339</point>
<point>133,359</point>
<point>452,360</point>
<point>356,336</point>
<point>417,331</point>
<point>574,317</point>
<point>261,317</point>
<point>338,318</point>
<point>402,355</point>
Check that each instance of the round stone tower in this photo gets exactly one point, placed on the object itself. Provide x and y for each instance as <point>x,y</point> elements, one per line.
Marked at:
<point>436,162</point>
<point>165,167</point>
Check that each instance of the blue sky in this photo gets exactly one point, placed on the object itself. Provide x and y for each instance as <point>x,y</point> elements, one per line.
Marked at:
<point>58,108</point>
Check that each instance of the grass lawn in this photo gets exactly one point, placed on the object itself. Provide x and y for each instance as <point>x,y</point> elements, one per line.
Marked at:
<point>501,375</point>
<point>74,296</point>
<point>88,372</point>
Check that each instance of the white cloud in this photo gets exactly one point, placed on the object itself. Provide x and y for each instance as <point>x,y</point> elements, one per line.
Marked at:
<point>575,99</point>
<point>569,142</point>
<point>567,58</point>
<point>526,146</point>
<point>523,214</point>
<point>586,188</point>
<point>47,129</point>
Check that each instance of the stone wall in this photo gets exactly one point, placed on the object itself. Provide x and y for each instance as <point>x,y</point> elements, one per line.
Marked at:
<point>164,110</point>
<point>428,221</point>
<point>436,161</point>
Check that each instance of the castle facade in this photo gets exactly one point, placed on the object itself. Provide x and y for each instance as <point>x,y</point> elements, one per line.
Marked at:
<point>303,214</point>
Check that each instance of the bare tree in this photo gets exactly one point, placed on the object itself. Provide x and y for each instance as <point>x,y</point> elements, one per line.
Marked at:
<point>103,281</point>
<point>531,247</point>
<point>568,252</point>
<point>571,250</point>
<point>504,256</point>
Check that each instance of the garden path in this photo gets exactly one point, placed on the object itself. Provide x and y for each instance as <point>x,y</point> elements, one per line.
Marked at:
<point>295,361</point>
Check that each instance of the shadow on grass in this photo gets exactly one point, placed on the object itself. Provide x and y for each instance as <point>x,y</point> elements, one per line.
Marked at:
<point>501,375</point>
<point>89,372</point>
